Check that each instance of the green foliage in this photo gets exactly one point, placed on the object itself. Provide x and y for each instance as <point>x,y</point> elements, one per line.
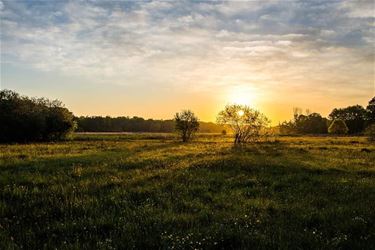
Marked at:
<point>246,123</point>
<point>370,132</point>
<point>311,123</point>
<point>135,192</point>
<point>338,127</point>
<point>354,117</point>
<point>186,124</point>
<point>371,111</point>
<point>135,124</point>
<point>24,119</point>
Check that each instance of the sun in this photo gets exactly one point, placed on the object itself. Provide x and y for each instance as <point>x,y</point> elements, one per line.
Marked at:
<point>242,96</point>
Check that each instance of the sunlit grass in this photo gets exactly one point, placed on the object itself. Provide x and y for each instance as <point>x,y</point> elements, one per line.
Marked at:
<point>150,191</point>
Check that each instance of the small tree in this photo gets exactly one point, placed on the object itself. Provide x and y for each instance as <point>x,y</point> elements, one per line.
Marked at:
<point>186,124</point>
<point>338,127</point>
<point>246,123</point>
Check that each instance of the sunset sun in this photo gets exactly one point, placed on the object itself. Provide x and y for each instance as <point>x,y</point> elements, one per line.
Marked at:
<point>242,96</point>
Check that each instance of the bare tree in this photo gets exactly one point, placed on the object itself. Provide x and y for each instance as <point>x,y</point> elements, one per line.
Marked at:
<point>246,123</point>
<point>186,124</point>
<point>297,112</point>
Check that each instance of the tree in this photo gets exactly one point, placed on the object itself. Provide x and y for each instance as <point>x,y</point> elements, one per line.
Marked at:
<point>24,119</point>
<point>338,127</point>
<point>312,123</point>
<point>287,128</point>
<point>135,124</point>
<point>371,111</point>
<point>186,124</point>
<point>59,123</point>
<point>246,123</point>
<point>354,117</point>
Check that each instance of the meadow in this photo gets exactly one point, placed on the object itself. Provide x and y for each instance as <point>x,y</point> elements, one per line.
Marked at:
<point>111,191</point>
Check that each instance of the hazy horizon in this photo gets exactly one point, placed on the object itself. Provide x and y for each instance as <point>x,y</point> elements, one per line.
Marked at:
<point>152,59</point>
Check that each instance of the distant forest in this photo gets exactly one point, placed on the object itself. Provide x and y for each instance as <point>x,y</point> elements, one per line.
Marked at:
<point>135,124</point>
<point>25,119</point>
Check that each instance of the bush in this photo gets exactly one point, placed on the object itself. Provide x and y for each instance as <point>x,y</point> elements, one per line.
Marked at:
<point>370,132</point>
<point>338,127</point>
<point>24,119</point>
<point>246,123</point>
<point>186,124</point>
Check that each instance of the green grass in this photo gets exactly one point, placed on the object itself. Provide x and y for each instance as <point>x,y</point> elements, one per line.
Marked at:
<point>149,191</point>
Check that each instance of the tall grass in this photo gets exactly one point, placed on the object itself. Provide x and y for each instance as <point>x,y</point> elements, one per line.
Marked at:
<point>149,191</point>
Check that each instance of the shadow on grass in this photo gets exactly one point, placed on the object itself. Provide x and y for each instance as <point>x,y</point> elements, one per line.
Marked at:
<point>260,196</point>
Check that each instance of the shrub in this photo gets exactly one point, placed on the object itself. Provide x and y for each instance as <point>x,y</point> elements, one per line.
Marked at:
<point>24,119</point>
<point>186,124</point>
<point>246,123</point>
<point>338,127</point>
<point>370,132</point>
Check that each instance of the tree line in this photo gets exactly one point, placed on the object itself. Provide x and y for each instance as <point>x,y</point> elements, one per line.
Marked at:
<point>24,119</point>
<point>135,124</point>
<point>352,120</point>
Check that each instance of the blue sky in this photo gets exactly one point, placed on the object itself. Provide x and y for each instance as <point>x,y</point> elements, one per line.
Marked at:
<point>156,57</point>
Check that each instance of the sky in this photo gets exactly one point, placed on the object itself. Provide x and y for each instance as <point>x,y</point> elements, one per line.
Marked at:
<point>154,58</point>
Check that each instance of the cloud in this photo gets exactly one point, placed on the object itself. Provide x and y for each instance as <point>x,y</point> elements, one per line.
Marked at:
<point>195,45</point>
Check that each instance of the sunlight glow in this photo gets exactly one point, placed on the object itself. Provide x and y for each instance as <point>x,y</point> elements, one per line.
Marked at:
<point>242,96</point>
<point>240,113</point>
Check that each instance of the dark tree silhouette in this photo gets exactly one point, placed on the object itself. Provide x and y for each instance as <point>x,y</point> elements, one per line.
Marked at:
<point>338,127</point>
<point>310,123</point>
<point>371,111</point>
<point>313,123</point>
<point>246,123</point>
<point>24,119</point>
<point>354,117</point>
<point>135,124</point>
<point>186,124</point>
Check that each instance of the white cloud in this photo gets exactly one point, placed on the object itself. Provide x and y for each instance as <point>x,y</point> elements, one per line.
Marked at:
<point>191,45</point>
<point>360,8</point>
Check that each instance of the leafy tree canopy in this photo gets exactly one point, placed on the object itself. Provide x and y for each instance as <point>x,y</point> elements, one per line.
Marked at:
<point>246,123</point>
<point>186,124</point>
<point>24,119</point>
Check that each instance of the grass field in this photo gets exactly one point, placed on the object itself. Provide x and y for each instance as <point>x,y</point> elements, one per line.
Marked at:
<point>149,191</point>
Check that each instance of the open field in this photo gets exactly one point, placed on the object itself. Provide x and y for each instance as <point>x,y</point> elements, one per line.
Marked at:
<point>149,191</point>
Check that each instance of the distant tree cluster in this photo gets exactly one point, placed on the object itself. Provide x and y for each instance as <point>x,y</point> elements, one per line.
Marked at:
<point>135,124</point>
<point>355,117</point>
<point>312,123</point>
<point>24,119</point>
<point>352,120</point>
<point>338,127</point>
<point>122,124</point>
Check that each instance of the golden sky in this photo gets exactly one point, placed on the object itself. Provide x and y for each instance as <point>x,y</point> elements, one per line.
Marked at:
<point>151,59</point>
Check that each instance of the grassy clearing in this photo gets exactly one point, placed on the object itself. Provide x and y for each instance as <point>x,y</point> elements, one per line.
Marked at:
<point>149,191</point>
